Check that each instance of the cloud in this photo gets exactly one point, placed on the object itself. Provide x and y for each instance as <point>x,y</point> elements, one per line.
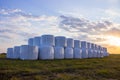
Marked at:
<point>16,26</point>
<point>89,30</point>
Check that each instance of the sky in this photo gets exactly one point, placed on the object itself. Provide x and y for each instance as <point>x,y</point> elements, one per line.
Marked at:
<point>96,21</point>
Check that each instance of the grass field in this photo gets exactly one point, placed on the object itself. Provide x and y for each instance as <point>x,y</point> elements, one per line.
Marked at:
<point>107,68</point>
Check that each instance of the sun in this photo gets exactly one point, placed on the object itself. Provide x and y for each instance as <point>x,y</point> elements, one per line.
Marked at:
<point>112,40</point>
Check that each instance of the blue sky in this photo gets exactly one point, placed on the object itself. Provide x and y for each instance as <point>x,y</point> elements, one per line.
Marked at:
<point>90,20</point>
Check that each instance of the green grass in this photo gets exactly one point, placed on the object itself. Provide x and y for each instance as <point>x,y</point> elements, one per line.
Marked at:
<point>107,68</point>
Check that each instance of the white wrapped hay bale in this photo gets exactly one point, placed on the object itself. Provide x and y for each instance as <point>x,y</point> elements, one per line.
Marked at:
<point>16,54</point>
<point>77,44</point>
<point>58,52</point>
<point>30,41</point>
<point>99,51</point>
<point>10,53</point>
<point>60,41</point>
<point>46,52</point>
<point>48,40</point>
<point>90,51</point>
<point>28,52</point>
<point>68,53</point>
<point>24,51</point>
<point>84,53</point>
<point>70,42</point>
<point>37,41</point>
<point>33,53</point>
<point>83,44</point>
<point>84,48</point>
<point>77,53</point>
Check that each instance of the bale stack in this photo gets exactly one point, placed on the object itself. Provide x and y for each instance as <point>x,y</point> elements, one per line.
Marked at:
<point>30,41</point>
<point>59,47</point>
<point>47,47</point>
<point>77,49</point>
<point>16,52</point>
<point>28,52</point>
<point>10,53</point>
<point>84,49</point>
<point>69,49</point>
<point>90,51</point>
<point>60,44</point>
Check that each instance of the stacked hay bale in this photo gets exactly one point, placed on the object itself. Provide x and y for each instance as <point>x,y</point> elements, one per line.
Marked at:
<point>47,47</point>
<point>60,44</point>
<point>77,49</point>
<point>69,49</point>
<point>90,51</point>
<point>84,48</point>
<point>59,47</point>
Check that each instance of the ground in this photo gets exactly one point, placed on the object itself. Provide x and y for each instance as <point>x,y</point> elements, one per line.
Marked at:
<point>107,68</point>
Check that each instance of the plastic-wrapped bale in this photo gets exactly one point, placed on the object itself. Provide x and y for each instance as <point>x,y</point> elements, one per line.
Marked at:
<point>28,52</point>
<point>68,53</point>
<point>48,40</point>
<point>77,44</point>
<point>106,52</point>
<point>90,51</point>
<point>93,49</point>
<point>10,53</point>
<point>33,53</point>
<point>58,52</point>
<point>24,50</point>
<point>77,53</point>
<point>70,42</point>
<point>60,41</point>
<point>84,49</point>
<point>46,52</point>
<point>99,51</point>
<point>96,51</point>
<point>30,41</point>
<point>37,41</point>
<point>16,54</point>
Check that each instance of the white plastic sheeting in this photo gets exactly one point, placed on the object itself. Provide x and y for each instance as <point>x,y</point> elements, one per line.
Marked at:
<point>83,44</point>
<point>84,49</point>
<point>68,53</point>
<point>16,54</point>
<point>84,53</point>
<point>28,52</point>
<point>58,52</point>
<point>30,41</point>
<point>10,53</point>
<point>90,51</point>
<point>77,53</point>
<point>33,53</point>
<point>46,52</point>
<point>47,40</point>
<point>37,41</point>
<point>60,41</point>
<point>77,44</point>
<point>70,42</point>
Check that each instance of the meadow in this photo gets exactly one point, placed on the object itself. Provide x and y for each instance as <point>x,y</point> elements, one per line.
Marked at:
<point>107,68</point>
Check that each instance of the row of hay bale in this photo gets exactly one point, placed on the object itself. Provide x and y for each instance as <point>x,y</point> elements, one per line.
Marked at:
<point>59,47</point>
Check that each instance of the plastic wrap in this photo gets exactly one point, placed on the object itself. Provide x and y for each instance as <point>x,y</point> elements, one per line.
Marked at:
<point>60,41</point>
<point>83,44</point>
<point>70,42</point>
<point>68,53</point>
<point>90,53</point>
<point>58,52</point>
<point>84,53</point>
<point>46,52</point>
<point>30,41</point>
<point>77,53</point>
<point>77,44</point>
<point>37,41</point>
<point>10,53</point>
<point>16,54</point>
<point>48,40</point>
